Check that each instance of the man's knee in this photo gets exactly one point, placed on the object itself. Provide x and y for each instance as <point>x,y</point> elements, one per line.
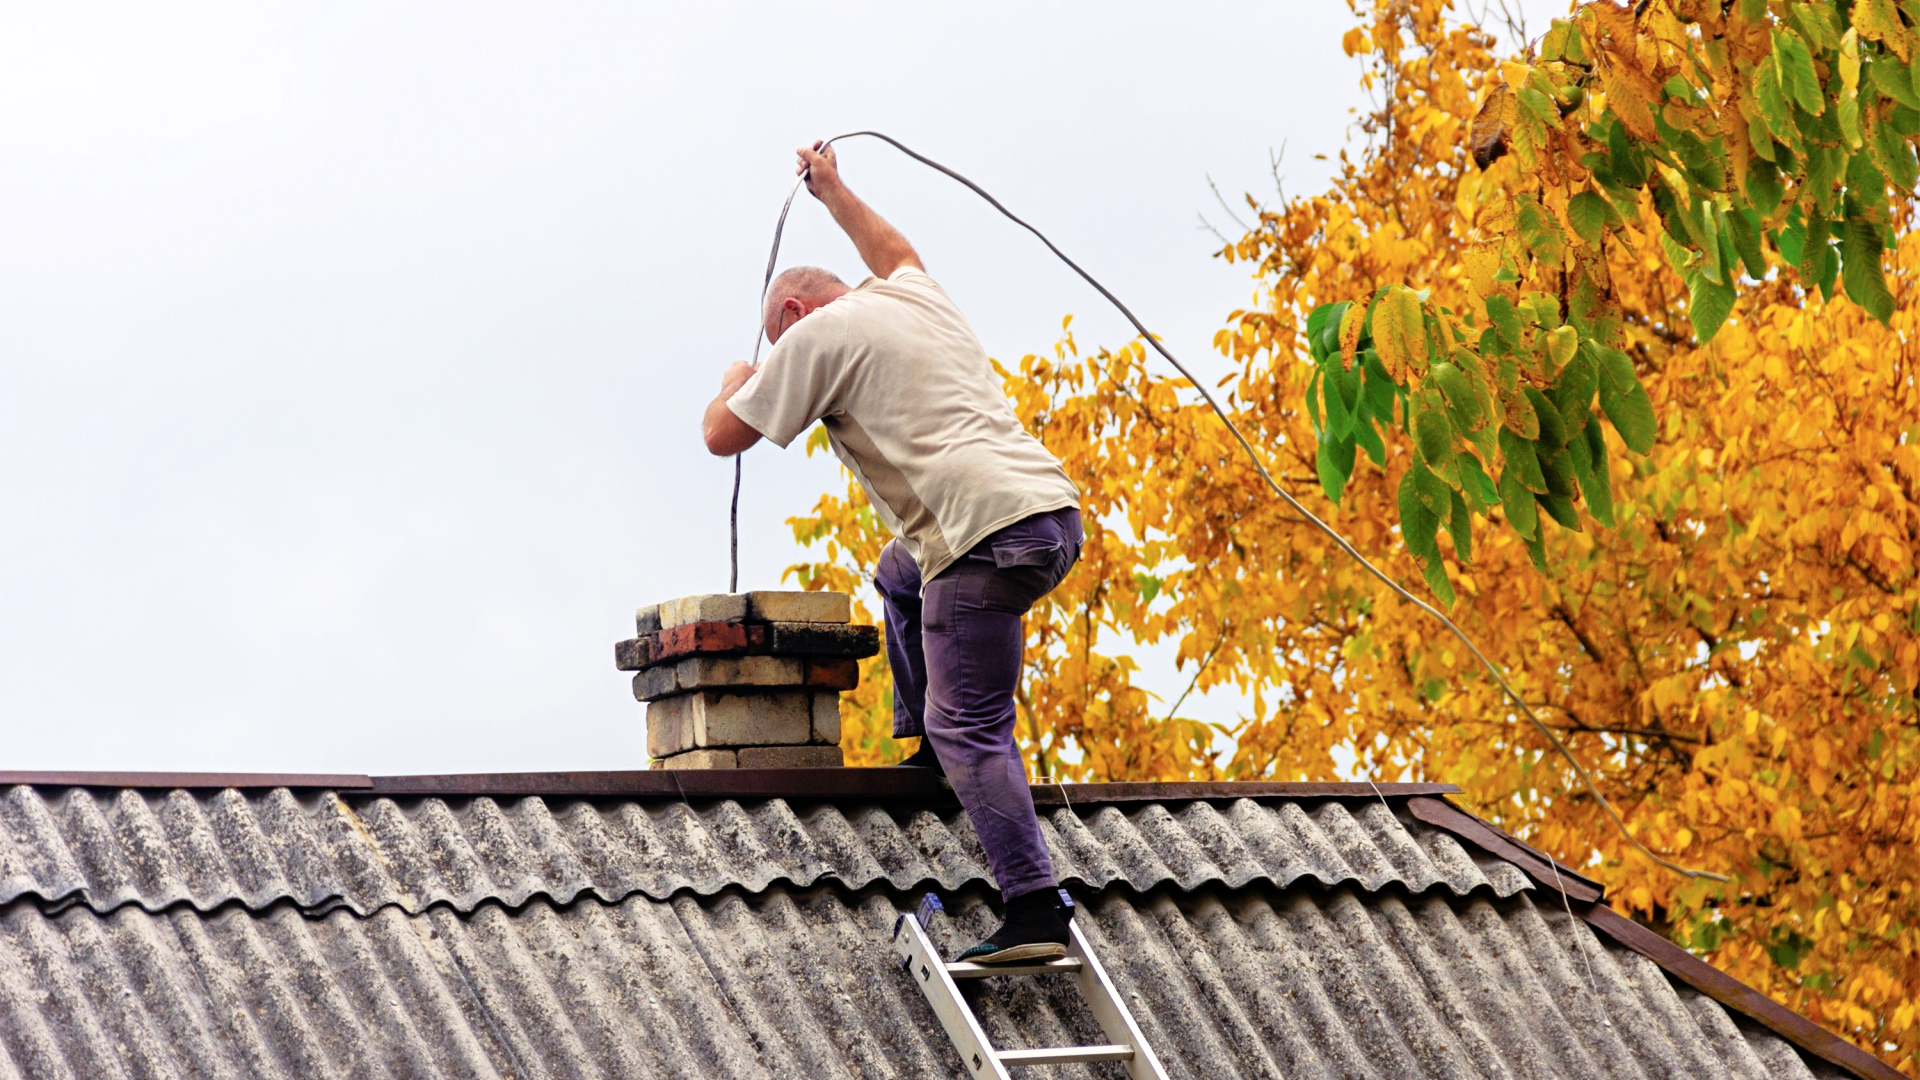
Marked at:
<point>897,574</point>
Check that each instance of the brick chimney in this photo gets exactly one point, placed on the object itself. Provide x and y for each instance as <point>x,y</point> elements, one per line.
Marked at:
<point>745,680</point>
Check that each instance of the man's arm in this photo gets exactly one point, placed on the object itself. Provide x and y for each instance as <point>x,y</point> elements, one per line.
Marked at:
<point>726,433</point>
<point>879,244</point>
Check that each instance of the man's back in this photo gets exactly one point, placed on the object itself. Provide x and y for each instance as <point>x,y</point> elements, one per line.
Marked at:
<point>913,408</point>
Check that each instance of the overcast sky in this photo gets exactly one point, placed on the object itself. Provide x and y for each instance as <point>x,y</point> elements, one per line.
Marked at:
<point>352,354</point>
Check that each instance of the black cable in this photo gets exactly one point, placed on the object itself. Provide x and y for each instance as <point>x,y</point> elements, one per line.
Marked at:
<point>1259,466</point>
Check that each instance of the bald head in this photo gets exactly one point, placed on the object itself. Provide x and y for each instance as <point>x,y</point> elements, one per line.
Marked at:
<point>794,293</point>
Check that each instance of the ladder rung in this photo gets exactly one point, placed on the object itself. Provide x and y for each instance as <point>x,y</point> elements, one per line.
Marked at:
<point>1070,965</point>
<point>1065,1055</point>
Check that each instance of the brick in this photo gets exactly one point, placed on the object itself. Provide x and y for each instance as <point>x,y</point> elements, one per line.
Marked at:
<point>707,718</point>
<point>701,759</point>
<point>670,727</point>
<point>826,718</point>
<point>632,654</point>
<point>833,674</point>
<point>820,639</point>
<point>800,607</point>
<point>646,620</point>
<point>707,607</point>
<point>655,683</point>
<point>790,757</point>
<point>718,672</point>
<point>707,637</point>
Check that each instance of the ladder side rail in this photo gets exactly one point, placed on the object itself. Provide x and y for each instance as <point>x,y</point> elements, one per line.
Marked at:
<point>1112,1014</point>
<point>929,972</point>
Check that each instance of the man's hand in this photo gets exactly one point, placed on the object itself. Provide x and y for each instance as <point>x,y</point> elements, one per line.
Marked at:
<point>821,167</point>
<point>724,432</point>
<point>881,246</point>
<point>735,377</point>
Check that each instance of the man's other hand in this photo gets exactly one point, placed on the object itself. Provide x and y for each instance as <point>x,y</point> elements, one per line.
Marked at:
<point>735,377</point>
<point>821,167</point>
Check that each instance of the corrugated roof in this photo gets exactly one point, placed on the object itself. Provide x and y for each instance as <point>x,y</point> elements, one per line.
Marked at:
<point>321,850</point>
<point>1258,981</point>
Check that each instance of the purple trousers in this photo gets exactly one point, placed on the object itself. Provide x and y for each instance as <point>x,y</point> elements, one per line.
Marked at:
<point>955,648</point>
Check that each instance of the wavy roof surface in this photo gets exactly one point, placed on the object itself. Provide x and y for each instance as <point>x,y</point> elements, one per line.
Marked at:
<point>295,932</point>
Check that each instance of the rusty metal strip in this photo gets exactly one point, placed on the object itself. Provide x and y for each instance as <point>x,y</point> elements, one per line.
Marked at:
<point>1738,996</point>
<point>329,781</point>
<point>1444,815</point>
<point>880,785</point>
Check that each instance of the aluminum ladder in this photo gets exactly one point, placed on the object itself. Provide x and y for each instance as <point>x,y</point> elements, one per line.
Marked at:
<point>939,981</point>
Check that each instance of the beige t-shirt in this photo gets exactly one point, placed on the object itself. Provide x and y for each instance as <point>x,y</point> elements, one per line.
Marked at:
<point>914,410</point>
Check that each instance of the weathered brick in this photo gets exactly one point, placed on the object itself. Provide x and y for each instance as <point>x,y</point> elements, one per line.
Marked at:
<point>718,672</point>
<point>670,725</point>
<point>632,654</point>
<point>707,718</point>
<point>800,607</point>
<point>833,674</point>
<point>646,620</point>
<point>820,639</point>
<point>701,759</point>
<point>708,607</point>
<point>826,718</point>
<point>790,757</point>
<point>655,683</point>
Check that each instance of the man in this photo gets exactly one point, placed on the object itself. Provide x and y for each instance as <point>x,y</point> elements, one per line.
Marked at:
<point>985,520</point>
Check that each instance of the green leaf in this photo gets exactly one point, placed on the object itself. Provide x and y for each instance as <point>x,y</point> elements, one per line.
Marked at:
<point>1522,462</point>
<point>1460,527</point>
<point>1743,227</point>
<point>1893,80</point>
<point>1334,463</point>
<point>1572,396</point>
<point>1556,466</point>
<point>1553,431</point>
<point>1378,392</point>
<point>1541,233</point>
<point>1560,508</point>
<point>1629,165</point>
<point>1430,489</point>
<point>1764,187</point>
<point>1475,481</point>
<point>1418,523</point>
<point>1339,390</point>
<point>1861,248</point>
<point>1892,152</point>
<point>1317,321</point>
<point>1797,77</point>
<point>1436,574</point>
<point>1588,213</point>
<point>1400,334</point>
<point>1432,431</point>
<point>1506,321</point>
<point>1625,401</point>
<point>1464,402</point>
<point>1522,512</point>
<point>1561,344</point>
<point>1369,440</point>
<point>1595,481</point>
<point>1708,305</point>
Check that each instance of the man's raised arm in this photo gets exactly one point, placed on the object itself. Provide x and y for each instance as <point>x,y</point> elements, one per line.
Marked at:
<point>880,244</point>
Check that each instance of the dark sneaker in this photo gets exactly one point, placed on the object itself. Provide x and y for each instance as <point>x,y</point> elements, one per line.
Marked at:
<point>1036,929</point>
<point>924,758</point>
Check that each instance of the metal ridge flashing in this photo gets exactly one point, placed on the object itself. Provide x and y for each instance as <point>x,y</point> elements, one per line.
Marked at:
<point>169,780</point>
<point>877,784</point>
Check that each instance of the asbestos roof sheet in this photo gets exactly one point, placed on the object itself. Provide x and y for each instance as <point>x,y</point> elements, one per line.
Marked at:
<point>155,850</point>
<point>1261,981</point>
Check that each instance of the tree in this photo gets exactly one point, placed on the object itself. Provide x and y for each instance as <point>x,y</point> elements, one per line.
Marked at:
<point>1657,388</point>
